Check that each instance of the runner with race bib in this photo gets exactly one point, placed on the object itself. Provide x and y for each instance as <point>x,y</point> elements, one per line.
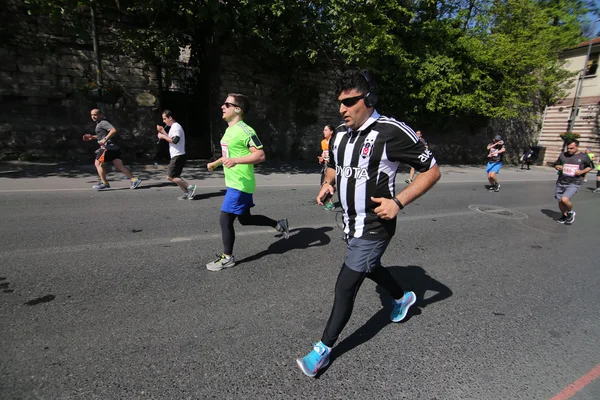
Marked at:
<point>571,166</point>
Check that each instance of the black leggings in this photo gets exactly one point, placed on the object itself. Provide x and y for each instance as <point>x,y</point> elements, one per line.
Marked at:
<point>346,288</point>
<point>228,233</point>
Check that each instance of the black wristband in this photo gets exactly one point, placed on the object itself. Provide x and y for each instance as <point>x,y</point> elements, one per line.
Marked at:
<point>400,205</point>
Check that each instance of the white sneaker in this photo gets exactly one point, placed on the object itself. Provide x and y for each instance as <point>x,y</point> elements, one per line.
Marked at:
<point>191,191</point>
<point>220,263</point>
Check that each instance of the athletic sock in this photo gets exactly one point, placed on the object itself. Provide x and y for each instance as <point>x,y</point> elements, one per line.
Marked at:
<point>328,348</point>
<point>134,179</point>
<point>398,301</point>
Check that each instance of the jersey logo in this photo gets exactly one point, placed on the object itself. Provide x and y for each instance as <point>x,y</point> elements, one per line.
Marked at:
<point>347,172</point>
<point>425,155</point>
<point>366,150</point>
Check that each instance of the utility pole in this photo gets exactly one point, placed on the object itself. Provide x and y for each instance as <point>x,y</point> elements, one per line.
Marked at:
<point>575,108</point>
<point>96,53</point>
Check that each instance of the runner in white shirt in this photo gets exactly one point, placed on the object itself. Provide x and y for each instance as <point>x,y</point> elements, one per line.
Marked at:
<point>176,139</point>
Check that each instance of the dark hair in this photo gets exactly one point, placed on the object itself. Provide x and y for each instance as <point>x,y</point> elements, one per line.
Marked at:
<point>242,101</point>
<point>168,114</point>
<point>355,80</point>
<point>569,141</point>
<point>331,128</point>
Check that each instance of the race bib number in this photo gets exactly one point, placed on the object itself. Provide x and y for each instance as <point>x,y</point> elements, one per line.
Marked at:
<point>225,150</point>
<point>570,169</point>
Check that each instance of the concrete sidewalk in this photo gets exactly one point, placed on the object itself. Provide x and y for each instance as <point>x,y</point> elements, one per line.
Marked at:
<point>33,176</point>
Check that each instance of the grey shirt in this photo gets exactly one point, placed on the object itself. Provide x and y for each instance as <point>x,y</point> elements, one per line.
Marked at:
<point>102,129</point>
<point>493,150</point>
<point>571,164</point>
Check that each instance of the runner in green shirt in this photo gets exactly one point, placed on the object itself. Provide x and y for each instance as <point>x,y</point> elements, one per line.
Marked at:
<point>240,150</point>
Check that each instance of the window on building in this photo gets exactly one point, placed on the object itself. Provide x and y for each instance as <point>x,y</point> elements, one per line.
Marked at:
<point>592,66</point>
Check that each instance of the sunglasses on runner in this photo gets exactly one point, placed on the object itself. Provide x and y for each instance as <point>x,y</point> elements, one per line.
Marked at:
<point>351,101</point>
<point>229,105</point>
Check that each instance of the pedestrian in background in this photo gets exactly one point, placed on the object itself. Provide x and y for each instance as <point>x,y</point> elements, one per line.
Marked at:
<point>496,151</point>
<point>108,151</point>
<point>324,159</point>
<point>176,140</point>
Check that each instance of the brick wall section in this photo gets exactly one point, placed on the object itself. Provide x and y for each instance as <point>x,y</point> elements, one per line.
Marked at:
<point>289,110</point>
<point>42,116</point>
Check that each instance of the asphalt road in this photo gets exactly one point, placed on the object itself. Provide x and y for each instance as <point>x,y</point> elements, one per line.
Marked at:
<point>104,295</point>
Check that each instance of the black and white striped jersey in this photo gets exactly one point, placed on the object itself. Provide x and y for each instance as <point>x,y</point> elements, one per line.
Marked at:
<point>365,162</point>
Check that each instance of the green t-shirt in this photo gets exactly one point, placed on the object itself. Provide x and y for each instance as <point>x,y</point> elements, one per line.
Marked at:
<point>236,143</point>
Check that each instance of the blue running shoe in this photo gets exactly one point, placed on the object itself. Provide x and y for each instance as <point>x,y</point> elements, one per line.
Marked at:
<point>102,186</point>
<point>315,360</point>
<point>135,184</point>
<point>401,309</point>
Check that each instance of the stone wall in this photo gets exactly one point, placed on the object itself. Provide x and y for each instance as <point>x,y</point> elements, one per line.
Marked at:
<point>288,110</point>
<point>42,115</point>
<point>465,143</point>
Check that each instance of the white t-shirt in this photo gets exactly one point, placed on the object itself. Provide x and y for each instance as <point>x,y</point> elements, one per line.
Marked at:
<point>177,149</point>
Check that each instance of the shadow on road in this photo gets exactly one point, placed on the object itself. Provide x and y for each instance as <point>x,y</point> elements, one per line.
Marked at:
<point>300,238</point>
<point>146,185</point>
<point>195,169</point>
<point>412,277</point>
<point>551,213</point>
<point>202,196</point>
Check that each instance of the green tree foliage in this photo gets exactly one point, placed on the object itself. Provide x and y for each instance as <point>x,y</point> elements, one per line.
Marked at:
<point>475,58</point>
<point>462,57</point>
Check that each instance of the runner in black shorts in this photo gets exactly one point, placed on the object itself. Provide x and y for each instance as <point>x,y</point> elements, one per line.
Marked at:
<point>176,165</point>
<point>108,151</point>
<point>176,140</point>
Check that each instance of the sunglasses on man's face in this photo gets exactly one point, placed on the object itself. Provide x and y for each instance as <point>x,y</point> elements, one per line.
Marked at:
<point>351,101</point>
<point>229,105</point>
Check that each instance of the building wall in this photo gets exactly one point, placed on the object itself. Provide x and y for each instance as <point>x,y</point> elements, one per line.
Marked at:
<point>574,61</point>
<point>289,110</point>
<point>42,114</point>
<point>586,118</point>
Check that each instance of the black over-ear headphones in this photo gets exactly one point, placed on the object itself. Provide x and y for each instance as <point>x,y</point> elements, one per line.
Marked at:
<point>371,96</point>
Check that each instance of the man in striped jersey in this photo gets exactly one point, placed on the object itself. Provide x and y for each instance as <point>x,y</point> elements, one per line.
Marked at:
<point>364,154</point>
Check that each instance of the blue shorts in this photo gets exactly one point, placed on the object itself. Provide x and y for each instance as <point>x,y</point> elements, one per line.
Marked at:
<point>236,202</point>
<point>364,255</point>
<point>494,167</point>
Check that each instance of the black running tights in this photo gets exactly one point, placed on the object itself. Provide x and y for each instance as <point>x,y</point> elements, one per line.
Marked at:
<point>346,288</point>
<point>228,233</point>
